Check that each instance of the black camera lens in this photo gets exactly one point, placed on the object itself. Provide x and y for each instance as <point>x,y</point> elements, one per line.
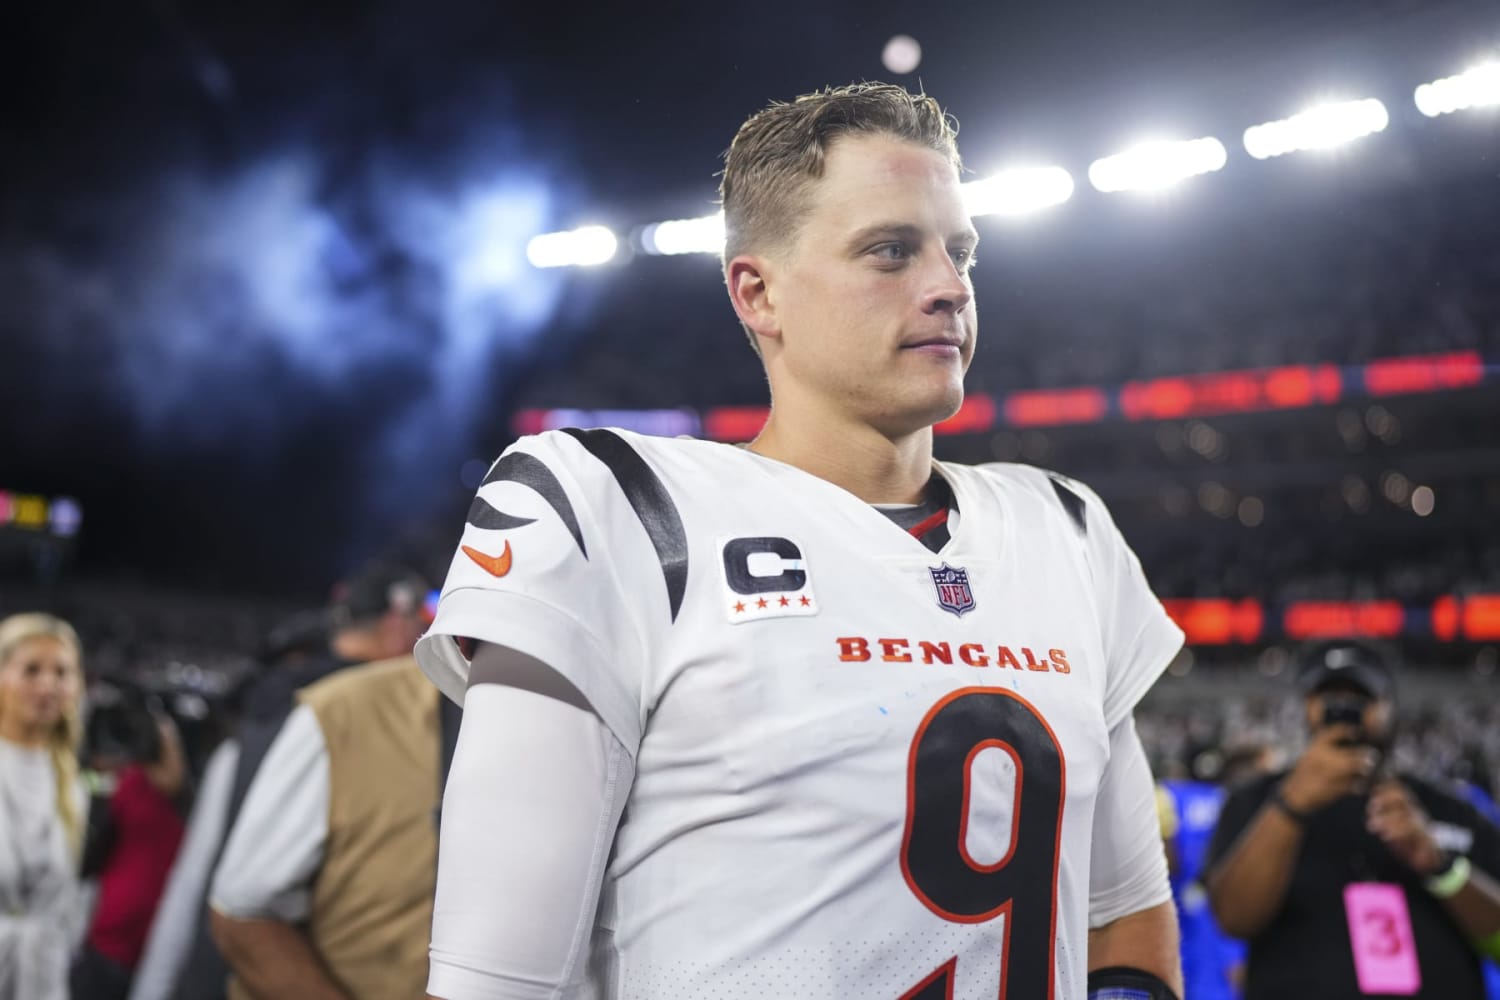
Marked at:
<point>122,725</point>
<point>1344,709</point>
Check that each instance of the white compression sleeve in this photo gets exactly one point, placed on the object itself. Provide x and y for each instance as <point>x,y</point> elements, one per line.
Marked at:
<point>533,798</point>
<point>1128,863</point>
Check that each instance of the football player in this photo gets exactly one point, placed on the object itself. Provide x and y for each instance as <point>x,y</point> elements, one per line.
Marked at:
<point>818,717</point>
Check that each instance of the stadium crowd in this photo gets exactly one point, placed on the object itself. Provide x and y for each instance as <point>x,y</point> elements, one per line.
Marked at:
<point>1365,276</point>
<point>1200,726</point>
<point>1191,723</point>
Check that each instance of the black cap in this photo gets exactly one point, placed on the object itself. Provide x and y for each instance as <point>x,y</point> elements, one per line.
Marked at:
<point>305,632</point>
<point>376,590</point>
<point>1347,663</point>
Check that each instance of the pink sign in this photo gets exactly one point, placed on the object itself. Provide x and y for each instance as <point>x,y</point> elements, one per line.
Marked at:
<point>1385,952</point>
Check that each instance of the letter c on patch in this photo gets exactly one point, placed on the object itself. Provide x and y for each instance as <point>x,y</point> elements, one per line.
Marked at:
<point>737,556</point>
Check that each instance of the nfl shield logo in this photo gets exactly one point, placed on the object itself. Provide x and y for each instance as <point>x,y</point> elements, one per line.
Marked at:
<point>953,591</point>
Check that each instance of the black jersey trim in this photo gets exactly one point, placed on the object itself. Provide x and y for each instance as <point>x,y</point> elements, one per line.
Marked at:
<point>482,515</point>
<point>1072,503</point>
<point>942,493</point>
<point>651,502</point>
<point>531,472</point>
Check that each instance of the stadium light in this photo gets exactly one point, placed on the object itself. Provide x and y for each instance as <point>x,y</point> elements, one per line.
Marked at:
<point>1477,88</point>
<point>679,236</point>
<point>1156,165</point>
<point>1317,128</point>
<point>583,247</point>
<point>1018,191</point>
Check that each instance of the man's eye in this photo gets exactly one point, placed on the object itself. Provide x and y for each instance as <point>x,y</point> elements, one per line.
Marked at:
<point>964,258</point>
<point>892,251</point>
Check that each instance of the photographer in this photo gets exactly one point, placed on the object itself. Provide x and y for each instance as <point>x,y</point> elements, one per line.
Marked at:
<point>1349,880</point>
<point>132,740</point>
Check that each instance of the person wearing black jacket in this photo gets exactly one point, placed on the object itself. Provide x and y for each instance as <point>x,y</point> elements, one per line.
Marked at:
<point>1349,880</point>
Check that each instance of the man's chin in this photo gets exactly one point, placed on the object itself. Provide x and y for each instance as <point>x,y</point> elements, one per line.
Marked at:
<point>947,405</point>
<point>920,415</point>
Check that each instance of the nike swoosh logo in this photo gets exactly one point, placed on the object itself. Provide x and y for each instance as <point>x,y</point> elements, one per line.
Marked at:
<point>493,565</point>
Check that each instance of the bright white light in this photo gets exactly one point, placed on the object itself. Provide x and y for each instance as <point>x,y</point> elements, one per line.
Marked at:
<point>1317,128</point>
<point>1477,88</point>
<point>488,230</point>
<point>1018,191</point>
<point>1156,165</point>
<point>582,247</point>
<point>902,55</point>
<point>676,236</point>
<point>1423,500</point>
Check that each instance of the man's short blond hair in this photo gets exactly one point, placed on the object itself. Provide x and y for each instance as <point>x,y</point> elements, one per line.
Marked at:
<point>780,150</point>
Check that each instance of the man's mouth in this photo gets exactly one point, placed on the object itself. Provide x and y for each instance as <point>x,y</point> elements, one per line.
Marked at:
<point>935,345</point>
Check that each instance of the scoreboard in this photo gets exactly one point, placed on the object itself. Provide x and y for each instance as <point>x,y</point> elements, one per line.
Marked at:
<point>1452,618</point>
<point>31,512</point>
<point>37,533</point>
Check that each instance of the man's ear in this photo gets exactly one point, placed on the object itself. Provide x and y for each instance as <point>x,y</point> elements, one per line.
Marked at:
<point>749,279</point>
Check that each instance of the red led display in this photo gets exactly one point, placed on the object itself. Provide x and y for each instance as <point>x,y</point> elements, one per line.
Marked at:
<point>1217,622</point>
<point>734,423</point>
<point>1344,619</point>
<point>1231,392</point>
<point>1394,376</point>
<point>1056,407</point>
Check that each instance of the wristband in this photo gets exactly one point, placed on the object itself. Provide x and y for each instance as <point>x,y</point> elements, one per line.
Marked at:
<point>1447,883</point>
<point>1295,815</point>
<point>1490,947</point>
<point>1120,982</point>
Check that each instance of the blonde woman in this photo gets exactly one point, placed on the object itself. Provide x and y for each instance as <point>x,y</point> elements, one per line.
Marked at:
<point>41,804</point>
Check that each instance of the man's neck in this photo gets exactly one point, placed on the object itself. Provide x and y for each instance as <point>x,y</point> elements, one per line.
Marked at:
<point>356,646</point>
<point>856,457</point>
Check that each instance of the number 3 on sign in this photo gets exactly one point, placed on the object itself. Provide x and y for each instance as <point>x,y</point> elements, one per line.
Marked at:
<point>1385,950</point>
<point>1022,885</point>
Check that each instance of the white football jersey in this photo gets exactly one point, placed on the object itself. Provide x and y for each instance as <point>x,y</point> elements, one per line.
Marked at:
<point>863,769</point>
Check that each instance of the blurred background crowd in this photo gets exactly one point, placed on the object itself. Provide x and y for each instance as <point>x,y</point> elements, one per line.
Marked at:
<point>267,313</point>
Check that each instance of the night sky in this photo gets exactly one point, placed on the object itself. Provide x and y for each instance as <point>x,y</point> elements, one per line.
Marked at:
<point>262,279</point>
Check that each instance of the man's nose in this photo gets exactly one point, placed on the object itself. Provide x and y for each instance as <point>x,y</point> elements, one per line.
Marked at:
<point>947,290</point>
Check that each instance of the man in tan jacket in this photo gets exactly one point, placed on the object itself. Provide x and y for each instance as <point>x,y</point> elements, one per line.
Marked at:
<point>326,883</point>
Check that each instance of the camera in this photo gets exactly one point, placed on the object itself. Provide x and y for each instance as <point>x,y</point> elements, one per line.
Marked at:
<point>1344,708</point>
<point>122,723</point>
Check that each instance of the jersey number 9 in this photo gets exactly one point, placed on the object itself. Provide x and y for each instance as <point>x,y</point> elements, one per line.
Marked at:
<point>935,859</point>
